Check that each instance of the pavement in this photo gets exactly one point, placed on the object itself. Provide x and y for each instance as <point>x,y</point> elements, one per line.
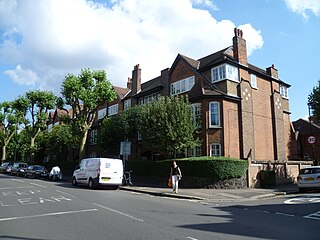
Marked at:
<point>217,195</point>
<point>214,195</point>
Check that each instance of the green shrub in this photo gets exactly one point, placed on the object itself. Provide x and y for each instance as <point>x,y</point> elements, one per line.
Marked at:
<point>217,168</point>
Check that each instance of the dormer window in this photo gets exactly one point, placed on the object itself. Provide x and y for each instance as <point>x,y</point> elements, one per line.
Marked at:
<point>284,91</point>
<point>102,113</point>
<point>182,86</point>
<point>113,110</point>
<point>224,72</point>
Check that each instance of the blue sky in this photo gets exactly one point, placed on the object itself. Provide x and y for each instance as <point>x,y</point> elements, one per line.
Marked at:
<point>43,40</point>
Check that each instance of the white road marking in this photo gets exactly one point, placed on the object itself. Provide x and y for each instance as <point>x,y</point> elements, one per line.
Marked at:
<point>18,180</point>
<point>38,185</point>
<point>121,213</point>
<point>4,188</point>
<point>285,214</point>
<point>303,200</point>
<point>192,238</point>
<point>315,216</point>
<point>47,214</point>
<point>68,194</point>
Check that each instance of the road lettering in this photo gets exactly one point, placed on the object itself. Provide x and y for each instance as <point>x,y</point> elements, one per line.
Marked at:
<point>315,216</point>
<point>303,200</point>
<point>32,201</point>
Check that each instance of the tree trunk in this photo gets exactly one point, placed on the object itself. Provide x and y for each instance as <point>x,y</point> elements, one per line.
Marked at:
<point>82,145</point>
<point>3,153</point>
<point>31,149</point>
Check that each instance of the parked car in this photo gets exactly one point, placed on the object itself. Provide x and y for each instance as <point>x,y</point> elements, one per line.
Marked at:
<point>17,168</point>
<point>6,167</point>
<point>99,171</point>
<point>309,178</point>
<point>36,171</point>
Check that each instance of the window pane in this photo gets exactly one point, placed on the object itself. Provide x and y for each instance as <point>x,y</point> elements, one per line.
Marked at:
<point>214,114</point>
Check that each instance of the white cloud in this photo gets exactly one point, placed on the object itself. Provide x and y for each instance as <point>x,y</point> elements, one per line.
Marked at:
<point>54,37</point>
<point>304,7</point>
<point>23,76</point>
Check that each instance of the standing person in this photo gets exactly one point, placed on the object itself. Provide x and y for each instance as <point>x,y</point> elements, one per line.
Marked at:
<point>175,175</point>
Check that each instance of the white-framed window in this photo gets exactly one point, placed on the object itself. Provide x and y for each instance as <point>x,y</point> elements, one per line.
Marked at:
<point>214,114</point>
<point>284,91</point>
<point>149,98</point>
<point>112,110</point>
<point>215,149</point>
<point>194,152</point>
<point>93,136</point>
<point>127,104</point>
<point>196,110</point>
<point>182,86</point>
<point>102,113</point>
<point>223,72</point>
<point>253,81</point>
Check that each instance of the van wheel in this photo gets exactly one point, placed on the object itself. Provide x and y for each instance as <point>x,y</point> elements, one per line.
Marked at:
<point>90,183</point>
<point>74,182</point>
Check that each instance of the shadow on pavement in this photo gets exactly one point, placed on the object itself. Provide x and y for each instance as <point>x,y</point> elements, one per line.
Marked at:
<point>266,222</point>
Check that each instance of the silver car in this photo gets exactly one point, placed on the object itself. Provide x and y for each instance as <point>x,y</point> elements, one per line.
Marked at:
<point>309,178</point>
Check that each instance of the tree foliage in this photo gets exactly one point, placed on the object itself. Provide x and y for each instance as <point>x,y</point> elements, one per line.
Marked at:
<point>122,127</point>
<point>54,145</point>
<point>35,105</point>
<point>314,101</point>
<point>84,93</point>
<point>10,119</point>
<point>168,125</point>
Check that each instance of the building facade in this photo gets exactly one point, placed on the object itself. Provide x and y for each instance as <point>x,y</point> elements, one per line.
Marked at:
<point>242,111</point>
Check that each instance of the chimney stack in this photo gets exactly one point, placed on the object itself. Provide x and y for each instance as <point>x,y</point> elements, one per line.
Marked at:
<point>240,47</point>
<point>129,83</point>
<point>272,72</point>
<point>136,79</point>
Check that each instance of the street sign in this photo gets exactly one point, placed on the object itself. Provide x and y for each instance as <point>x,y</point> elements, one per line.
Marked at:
<point>312,139</point>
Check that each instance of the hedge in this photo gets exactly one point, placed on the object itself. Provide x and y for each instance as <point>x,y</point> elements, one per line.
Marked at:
<point>218,168</point>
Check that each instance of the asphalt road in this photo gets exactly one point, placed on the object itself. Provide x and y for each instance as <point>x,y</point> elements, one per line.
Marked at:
<point>41,210</point>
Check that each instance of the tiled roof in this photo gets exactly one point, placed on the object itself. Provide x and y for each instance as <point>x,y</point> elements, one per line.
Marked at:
<point>121,91</point>
<point>194,63</point>
<point>212,59</point>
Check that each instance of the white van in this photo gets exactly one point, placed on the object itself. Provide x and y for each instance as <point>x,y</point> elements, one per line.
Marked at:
<point>98,171</point>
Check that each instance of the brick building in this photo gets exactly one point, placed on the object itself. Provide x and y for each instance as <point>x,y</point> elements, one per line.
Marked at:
<point>243,110</point>
<point>305,142</point>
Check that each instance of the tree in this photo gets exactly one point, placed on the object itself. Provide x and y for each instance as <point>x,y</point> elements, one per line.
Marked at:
<point>36,105</point>
<point>114,130</point>
<point>10,118</point>
<point>84,93</point>
<point>314,101</point>
<point>56,143</point>
<point>168,125</point>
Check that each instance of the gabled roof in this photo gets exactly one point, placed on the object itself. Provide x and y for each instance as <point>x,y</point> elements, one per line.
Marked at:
<point>147,87</point>
<point>304,126</point>
<point>121,91</point>
<point>213,59</point>
<point>194,63</point>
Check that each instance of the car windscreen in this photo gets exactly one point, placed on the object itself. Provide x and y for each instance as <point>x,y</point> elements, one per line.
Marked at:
<point>309,170</point>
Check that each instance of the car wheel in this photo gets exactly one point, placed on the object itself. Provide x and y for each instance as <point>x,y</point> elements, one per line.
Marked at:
<point>90,183</point>
<point>74,182</point>
<point>302,190</point>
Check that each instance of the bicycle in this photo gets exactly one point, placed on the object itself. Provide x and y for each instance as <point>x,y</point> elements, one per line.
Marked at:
<point>127,178</point>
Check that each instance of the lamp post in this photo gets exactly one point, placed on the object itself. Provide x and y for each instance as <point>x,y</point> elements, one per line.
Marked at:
<point>311,138</point>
